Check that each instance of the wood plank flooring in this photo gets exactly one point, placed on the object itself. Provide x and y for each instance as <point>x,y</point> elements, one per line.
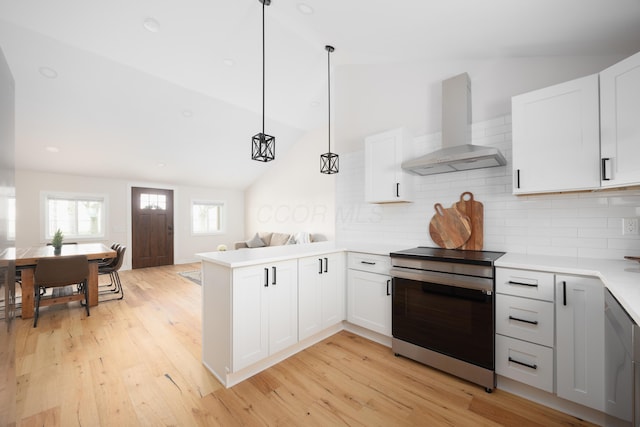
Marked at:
<point>136,362</point>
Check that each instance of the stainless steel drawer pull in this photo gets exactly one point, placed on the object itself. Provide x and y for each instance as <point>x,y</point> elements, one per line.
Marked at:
<point>531,322</point>
<point>523,364</point>
<point>532,285</point>
<point>367,262</point>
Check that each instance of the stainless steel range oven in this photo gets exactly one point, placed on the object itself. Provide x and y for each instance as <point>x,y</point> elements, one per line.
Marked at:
<point>443,310</point>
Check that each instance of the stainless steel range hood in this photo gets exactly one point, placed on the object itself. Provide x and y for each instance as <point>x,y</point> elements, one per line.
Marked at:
<point>457,152</point>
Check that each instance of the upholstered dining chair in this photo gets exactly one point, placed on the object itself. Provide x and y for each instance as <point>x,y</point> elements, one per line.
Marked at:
<point>60,272</point>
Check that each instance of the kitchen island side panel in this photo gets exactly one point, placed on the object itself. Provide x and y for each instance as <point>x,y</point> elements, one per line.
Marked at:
<point>216,319</point>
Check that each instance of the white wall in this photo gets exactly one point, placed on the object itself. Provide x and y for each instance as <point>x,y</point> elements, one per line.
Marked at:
<point>373,98</point>
<point>30,184</point>
<point>587,224</point>
<point>292,195</point>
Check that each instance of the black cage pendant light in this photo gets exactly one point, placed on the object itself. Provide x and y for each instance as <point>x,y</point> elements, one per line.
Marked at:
<point>329,160</point>
<point>263,146</point>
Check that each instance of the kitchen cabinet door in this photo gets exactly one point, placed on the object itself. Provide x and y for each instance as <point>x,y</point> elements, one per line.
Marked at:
<point>283,305</point>
<point>556,138</point>
<point>265,311</point>
<point>580,340</point>
<point>321,293</point>
<point>620,126</point>
<point>385,180</point>
<point>369,301</point>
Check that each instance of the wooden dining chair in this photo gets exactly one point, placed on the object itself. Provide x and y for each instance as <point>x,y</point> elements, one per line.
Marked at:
<point>59,272</point>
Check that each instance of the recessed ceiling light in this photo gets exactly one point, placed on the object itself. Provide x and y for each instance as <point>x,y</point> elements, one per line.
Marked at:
<point>52,149</point>
<point>228,62</point>
<point>48,72</point>
<point>305,9</point>
<point>187,113</point>
<point>151,25</point>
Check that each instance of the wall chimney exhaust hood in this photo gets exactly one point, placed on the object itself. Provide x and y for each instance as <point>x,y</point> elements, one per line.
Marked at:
<point>457,152</point>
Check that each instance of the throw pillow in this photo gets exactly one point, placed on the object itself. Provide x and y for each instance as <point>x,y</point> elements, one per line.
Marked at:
<point>279,239</point>
<point>255,242</point>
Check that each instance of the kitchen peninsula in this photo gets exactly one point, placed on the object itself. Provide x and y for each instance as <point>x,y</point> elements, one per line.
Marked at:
<point>262,305</point>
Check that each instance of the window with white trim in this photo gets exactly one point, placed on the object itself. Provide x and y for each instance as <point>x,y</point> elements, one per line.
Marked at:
<point>78,216</point>
<point>207,217</point>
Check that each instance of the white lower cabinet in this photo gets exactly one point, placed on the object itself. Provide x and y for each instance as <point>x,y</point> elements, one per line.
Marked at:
<point>369,292</point>
<point>526,362</point>
<point>525,326</point>
<point>550,333</point>
<point>525,319</point>
<point>264,310</point>
<point>321,293</point>
<point>580,340</point>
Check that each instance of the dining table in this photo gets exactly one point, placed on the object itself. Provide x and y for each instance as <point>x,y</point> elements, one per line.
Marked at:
<point>26,260</point>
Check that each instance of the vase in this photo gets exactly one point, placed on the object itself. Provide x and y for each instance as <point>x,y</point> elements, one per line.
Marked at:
<point>57,250</point>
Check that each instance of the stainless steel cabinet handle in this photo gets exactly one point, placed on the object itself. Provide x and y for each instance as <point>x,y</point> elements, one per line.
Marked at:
<point>523,364</point>
<point>531,322</point>
<point>511,282</point>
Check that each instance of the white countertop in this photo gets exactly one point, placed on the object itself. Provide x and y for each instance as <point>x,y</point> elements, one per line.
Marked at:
<point>252,256</point>
<point>621,277</point>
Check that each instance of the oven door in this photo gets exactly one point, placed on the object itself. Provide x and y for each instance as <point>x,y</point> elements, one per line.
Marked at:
<point>452,320</point>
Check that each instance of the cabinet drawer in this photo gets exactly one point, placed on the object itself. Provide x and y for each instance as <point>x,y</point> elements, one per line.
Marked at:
<point>522,361</point>
<point>527,319</point>
<point>368,262</point>
<point>525,283</point>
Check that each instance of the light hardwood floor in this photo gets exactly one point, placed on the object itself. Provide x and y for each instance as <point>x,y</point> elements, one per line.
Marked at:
<point>136,362</point>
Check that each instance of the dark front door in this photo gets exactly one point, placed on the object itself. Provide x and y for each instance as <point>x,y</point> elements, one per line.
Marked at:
<point>151,227</point>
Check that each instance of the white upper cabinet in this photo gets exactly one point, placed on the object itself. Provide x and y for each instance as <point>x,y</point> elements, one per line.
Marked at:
<point>620,123</point>
<point>556,138</point>
<point>385,180</point>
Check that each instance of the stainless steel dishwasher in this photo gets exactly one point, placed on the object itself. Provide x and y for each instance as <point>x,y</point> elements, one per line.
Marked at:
<point>622,365</point>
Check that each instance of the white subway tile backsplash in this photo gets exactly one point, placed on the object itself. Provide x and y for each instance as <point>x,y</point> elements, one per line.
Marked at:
<point>587,224</point>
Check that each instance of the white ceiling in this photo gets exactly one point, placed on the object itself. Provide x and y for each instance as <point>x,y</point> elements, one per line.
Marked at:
<point>117,107</point>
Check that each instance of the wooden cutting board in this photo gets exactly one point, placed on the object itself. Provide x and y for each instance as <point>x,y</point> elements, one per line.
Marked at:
<point>474,210</point>
<point>449,228</point>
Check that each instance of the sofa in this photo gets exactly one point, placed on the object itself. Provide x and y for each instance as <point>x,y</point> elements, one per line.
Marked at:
<point>262,239</point>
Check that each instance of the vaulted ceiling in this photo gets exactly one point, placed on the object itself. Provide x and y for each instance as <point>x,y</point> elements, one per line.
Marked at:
<point>170,92</point>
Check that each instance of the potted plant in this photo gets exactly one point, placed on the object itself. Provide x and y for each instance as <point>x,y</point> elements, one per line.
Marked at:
<point>56,242</point>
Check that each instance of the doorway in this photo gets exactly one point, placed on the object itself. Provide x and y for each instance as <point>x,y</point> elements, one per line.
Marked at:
<point>151,227</point>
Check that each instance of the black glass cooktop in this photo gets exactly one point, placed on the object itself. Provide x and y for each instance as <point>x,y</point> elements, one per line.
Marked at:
<point>449,255</point>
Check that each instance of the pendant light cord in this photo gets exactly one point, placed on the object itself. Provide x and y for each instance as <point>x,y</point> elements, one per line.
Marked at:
<point>263,66</point>
<point>329,93</point>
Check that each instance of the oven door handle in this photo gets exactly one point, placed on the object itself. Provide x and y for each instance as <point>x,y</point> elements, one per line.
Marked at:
<point>483,284</point>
